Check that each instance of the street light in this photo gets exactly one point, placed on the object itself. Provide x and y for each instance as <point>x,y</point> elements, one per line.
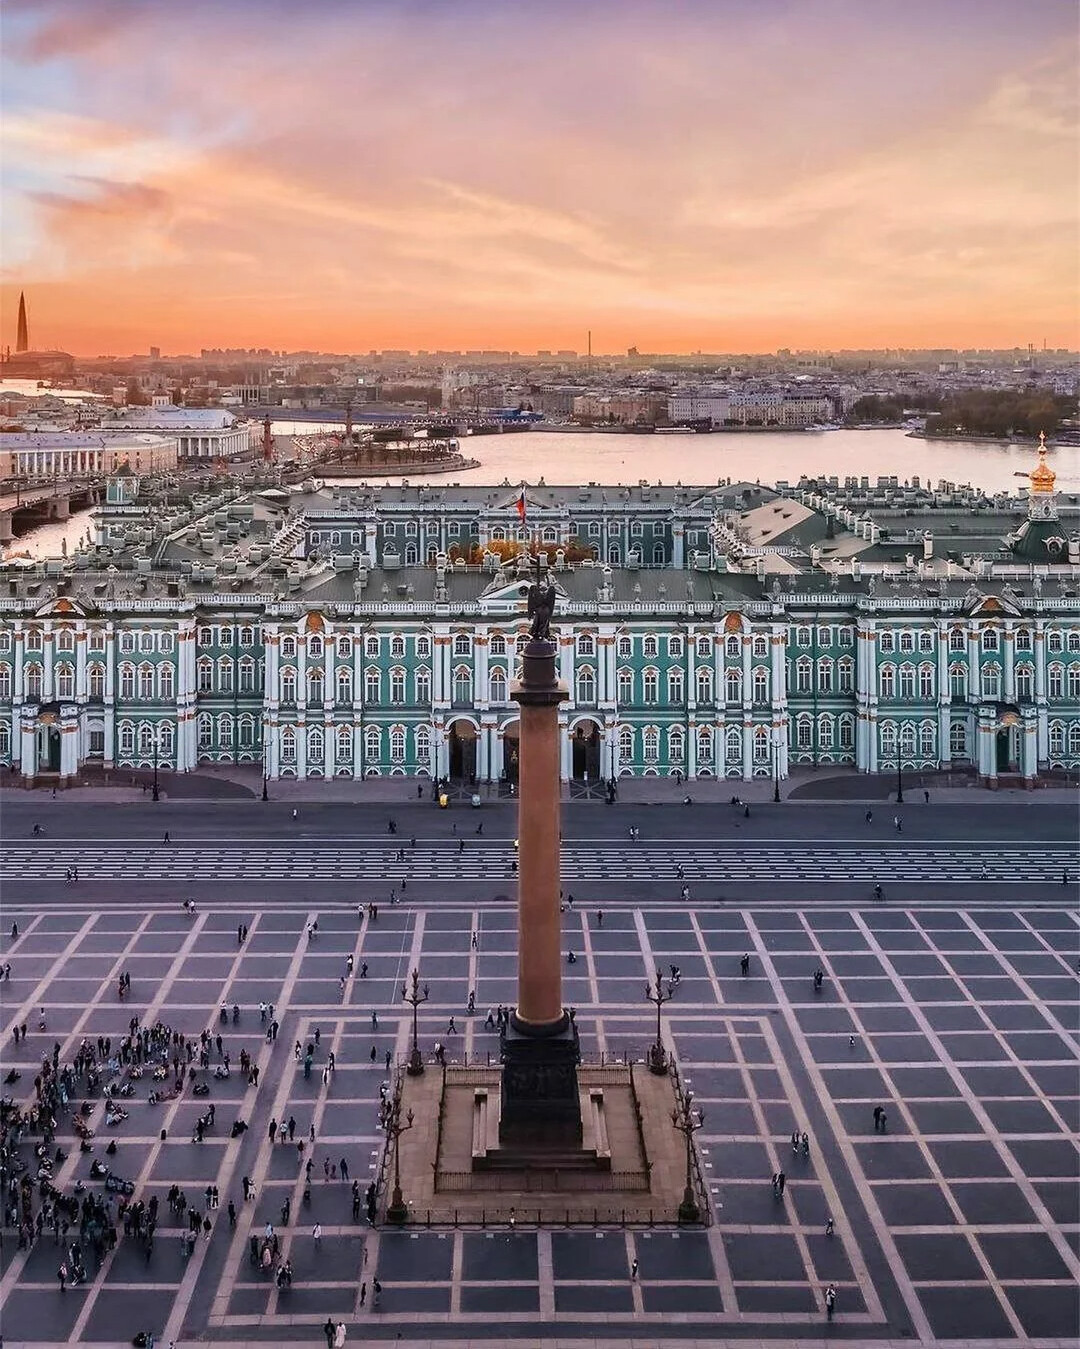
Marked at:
<point>899,777</point>
<point>658,1062</point>
<point>265,765</point>
<point>688,1122</point>
<point>414,999</point>
<point>157,740</point>
<point>776,763</point>
<point>395,1126</point>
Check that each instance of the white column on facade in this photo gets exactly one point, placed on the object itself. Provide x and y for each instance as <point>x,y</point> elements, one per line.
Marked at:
<point>747,711</point>
<point>48,646</point>
<point>565,759</point>
<point>69,741</point>
<point>28,758</point>
<point>691,669</point>
<point>301,743</point>
<point>974,673</point>
<point>566,663</point>
<point>329,745</point>
<point>1009,644</point>
<point>81,690</point>
<point>1039,655</point>
<point>691,747</point>
<point>944,695</point>
<point>1029,744</point>
<point>19,677</point>
<point>357,738</point>
<point>481,649</point>
<point>678,544</point>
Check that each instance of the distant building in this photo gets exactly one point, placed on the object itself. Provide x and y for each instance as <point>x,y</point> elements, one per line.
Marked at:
<point>80,454</point>
<point>27,364</point>
<point>201,433</point>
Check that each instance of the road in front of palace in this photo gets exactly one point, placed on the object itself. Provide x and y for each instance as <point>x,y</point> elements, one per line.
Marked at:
<point>345,852</point>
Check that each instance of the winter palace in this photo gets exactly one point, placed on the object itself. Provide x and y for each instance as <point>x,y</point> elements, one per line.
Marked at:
<point>735,630</point>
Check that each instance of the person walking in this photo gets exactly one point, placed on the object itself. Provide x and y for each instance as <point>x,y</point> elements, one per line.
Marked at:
<point>633,1268</point>
<point>271,1130</point>
<point>316,1235</point>
<point>830,1301</point>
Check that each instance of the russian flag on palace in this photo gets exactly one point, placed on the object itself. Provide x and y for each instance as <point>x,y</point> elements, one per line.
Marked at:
<point>519,505</point>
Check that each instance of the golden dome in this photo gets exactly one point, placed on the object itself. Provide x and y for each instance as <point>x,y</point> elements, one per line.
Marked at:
<point>1042,477</point>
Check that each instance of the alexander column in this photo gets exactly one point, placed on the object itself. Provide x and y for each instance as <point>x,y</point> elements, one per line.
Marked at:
<point>540,1107</point>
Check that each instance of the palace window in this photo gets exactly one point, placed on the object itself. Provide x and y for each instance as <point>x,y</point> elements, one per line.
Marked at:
<point>926,681</point>
<point>907,643</point>
<point>825,675</point>
<point>761,684</point>
<point>958,680</point>
<point>847,636</point>
<point>761,744</point>
<point>927,739</point>
<point>344,648</point>
<point>462,644</point>
<point>825,732</point>
<point>625,684</point>
<point>1073,642</point>
<point>824,637</point>
<point>288,648</point>
<point>344,686</point>
<point>96,681</point>
<point>802,636</point>
<point>146,643</point>
<point>423,648</point>
<point>96,640</point>
<point>165,739</point>
<point>704,680</point>
<point>845,672</point>
<point>625,648</point>
<point>990,639</point>
<point>674,648</point>
<point>497,645</point>
<point>887,739</point>
<point>676,744</point>
<point>803,674</point>
<point>733,647</point>
<point>847,732</point>
<point>958,740</point>
<point>733,686</point>
<point>247,635</point>
<point>315,647</point>
<point>650,744</point>
<point>315,686</point>
<point>288,685</point>
<point>1074,681</point>
<point>1055,680</point>
<point>225,636</point>
<point>1025,680</point>
<point>397,647</point>
<point>586,684</point>
<point>626,744</point>
<point>225,729</point>
<point>991,681</point>
<point>675,686</point>
<point>65,640</point>
<point>704,744</point>
<point>761,648</point>
<point>316,745</point>
<point>371,686</point>
<point>462,684</point>
<point>146,682</point>
<point>957,640</point>
<point>886,642</point>
<point>225,675</point>
<point>205,638</point>
<point>804,731</point>
<point>423,685</point>
<point>497,684</point>
<point>246,727</point>
<point>907,740</point>
<point>397,744</point>
<point>1057,738</point>
<point>372,744</point>
<point>649,647</point>
<point>1074,738</point>
<point>704,647</point>
<point>247,675</point>
<point>650,680</point>
<point>371,647</point>
<point>205,732</point>
<point>126,739</point>
<point>422,742</point>
<point>887,676</point>
<point>288,745</point>
<point>926,642</point>
<point>907,681</point>
<point>397,685</point>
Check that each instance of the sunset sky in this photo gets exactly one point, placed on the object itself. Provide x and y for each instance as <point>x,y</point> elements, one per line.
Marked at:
<point>673,174</point>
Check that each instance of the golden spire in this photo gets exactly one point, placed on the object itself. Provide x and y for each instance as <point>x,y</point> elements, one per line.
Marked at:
<point>1042,477</point>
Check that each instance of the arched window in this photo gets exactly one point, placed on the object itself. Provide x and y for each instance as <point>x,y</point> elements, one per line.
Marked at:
<point>288,648</point>
<point>206,674</point>
<point>1074,681</point>
<point>205,732</point>
<point>804,671</point>
<point>907,643</point>
<point>676,745</point>
<point>957,640</point>
<point>649,647</point>
<point>344,684</point>
<point>397,647</point>
<point>146,682</point>
<point>288,685</point>
<point>316,685</point>
<point>887,738</point>
<point>624,680</point>
<point>422,742</point>
<point>65,640</point>
<point>650,683</point>
<point>225,675</point>
<point>733,686</point>
<point>225,727</point>
<point>674,648</point>
<point>126,738</point>
<point>761,744</point>
<point>247,636</point>
<point>371,684</point>
<point>804,732</point>
<point>247,675</point>
<point>761,647</point>
<point>1057,739</point>
<point>246,728</point>
<point>926,641</point>
<point>958,740</point>
<point>288,745</point>
<point>147,742</point>
<point>704,681</point>
<point>825,675</point>
<point>675,685</point>
<point>586,684</point>
<point>33,640</point>
<point>462,644</point>
<point>927,739</point>
<point>165,740</point>
<point>127,680</point>
<point>397,684</point>
<point>5,682</point>
<point>887,676</point>
<point>847,732</point>
<point>704,647</point>
<point>704,744</point>
<point>315,647</point>
<point>344,648</point>
<point>397,744</point>
<point>907,681</point>
<point>166,683</point>
<point>733,745</point>
<point>1073,644</point>
<point>1025,681</point>
<point>926,681</point>
<point>991,680</point>
<point>372,745</point>
<point>907,740</point>
<point>990,639</point>
<point>316,746</point>
<point>423,685</point>
<point>462,684</point>
<point>412,555</point>
<point>825,728</point>
<point>1074,738</point>
<point>626,745</point>
<point>5,742</point>
<point>497,684</point>
<point>733,647</point>
<point>371,647</point>
<point>1023,639</point>
<point>650,744</point>
<point>65,681</point>
<point>845,672</point>
<point>625,648</point>
<point>958,680</point>
<point>344,744</point>
<point>96,681</point>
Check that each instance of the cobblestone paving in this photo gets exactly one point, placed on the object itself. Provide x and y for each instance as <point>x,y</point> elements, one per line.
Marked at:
<point>958,1224</point>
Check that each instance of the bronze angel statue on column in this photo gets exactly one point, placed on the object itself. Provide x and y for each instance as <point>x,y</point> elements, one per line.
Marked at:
<point>541,608</point>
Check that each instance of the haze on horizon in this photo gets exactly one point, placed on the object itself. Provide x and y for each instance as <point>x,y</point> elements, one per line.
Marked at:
<point>673,174</point>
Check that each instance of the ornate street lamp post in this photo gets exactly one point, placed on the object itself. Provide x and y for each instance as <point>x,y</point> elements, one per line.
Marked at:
<point>414,997</point>
<point>658,1062</point>
<point>688,1121</point>
<point>899,776</point>
<point>776,763</point>
<point>157,741</point>
<point>395,1126</point>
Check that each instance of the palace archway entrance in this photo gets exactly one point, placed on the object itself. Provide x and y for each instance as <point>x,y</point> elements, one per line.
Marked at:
<point>462,745</point>
<point>511,734</point>
<point>585,752</point>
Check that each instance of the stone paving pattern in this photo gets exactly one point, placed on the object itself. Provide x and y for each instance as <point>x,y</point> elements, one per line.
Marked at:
<point>960,1223</point>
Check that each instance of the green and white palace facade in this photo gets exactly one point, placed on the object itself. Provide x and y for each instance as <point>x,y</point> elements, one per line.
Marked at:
<point>291,632</point>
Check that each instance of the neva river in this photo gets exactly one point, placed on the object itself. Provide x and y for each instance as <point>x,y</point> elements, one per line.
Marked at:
<point>572,457</point>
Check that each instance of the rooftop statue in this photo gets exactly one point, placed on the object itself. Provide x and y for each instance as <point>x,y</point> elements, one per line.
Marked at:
<point>541,608</point>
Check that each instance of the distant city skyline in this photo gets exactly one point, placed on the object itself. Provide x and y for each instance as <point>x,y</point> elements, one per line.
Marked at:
<point>678,176</point>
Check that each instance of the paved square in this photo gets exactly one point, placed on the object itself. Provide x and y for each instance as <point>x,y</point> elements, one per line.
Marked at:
<point>959,1222</point>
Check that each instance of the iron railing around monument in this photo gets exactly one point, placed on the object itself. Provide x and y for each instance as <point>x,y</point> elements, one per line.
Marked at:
<point>697,1174</point>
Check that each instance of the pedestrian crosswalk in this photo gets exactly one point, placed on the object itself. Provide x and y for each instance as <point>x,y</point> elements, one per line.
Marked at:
<point>596,863</point>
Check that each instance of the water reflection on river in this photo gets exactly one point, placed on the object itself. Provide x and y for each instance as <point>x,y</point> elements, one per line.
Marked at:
<point>571,457</point>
